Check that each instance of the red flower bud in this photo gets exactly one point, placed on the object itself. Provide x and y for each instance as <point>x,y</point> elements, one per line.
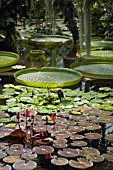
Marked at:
<point>18,115</point>
<point>32,117</point>
<point>47,156</point>
<point>27,113</point>
<point>53,117</point>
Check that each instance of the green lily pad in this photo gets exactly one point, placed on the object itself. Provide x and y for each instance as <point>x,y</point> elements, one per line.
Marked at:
<point>108,44</point>
<point>48,117</point>
<point>11,100</point>
<point>15,109</point>
<point>104,89</point>
<point>49,40</point>
<point>48,77</point>
<point>3,107</point>
<point>44,111</point>
<point>66,104</point>
<point>25,99</point>
<point>20,88</point>
<point>4,96</point>
<point>108,107</point>
<point>75,113</point>
<point>11,125</point>
<point>102,95</point>
<point>100,101</point>
<point>5,120</point>
<point>99,54</point>
<point>8,58</point>
<point>96,70</point>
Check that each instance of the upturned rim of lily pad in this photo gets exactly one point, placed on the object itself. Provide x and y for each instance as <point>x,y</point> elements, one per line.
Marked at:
<point>52,73</point>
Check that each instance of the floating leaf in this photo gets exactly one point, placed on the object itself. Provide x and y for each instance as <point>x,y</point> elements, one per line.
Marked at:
<point>48,77</point>
<point>11,159</point>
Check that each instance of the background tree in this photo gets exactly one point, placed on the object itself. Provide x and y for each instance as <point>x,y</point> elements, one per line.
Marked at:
<point>8,19</point>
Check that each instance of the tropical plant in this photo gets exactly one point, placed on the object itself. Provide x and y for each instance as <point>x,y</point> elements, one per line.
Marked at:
<point>8,18</point>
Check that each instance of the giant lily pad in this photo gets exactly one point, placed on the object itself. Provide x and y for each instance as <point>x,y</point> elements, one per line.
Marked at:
<point>49,40</point>
<point>97,69</point>
<point>99,54</point>
<point>8,58</point>
<point>102,44</point>
<point>48,77</point>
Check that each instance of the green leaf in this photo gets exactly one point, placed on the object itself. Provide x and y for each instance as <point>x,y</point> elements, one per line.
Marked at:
<point>15,109</point>
<point>5,120</point>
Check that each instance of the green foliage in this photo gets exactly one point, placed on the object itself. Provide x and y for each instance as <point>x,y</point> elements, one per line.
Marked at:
<point>8,18</point>
<point>101,19</point>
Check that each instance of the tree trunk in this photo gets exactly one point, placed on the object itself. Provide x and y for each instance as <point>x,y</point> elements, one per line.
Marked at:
<point>68,11</point>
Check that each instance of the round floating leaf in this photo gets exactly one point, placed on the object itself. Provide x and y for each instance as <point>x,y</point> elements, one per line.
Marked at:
<point>100,54</point>
<point>59,161</point>
<point>3,107</point>
<point>6,167</point>
<point>104,89</point>
<point>95,158</point>
<point>11,159</point>
<point>5,120</point>
<point>96,70</point>
<point>29,165</point>
<point>49,40</point>
<point>102,44</point>
<point>48,77</point>
<point>8,58</point>
<point>15,109</point>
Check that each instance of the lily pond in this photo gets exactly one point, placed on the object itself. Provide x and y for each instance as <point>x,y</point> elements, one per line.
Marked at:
<point>41,129</point>
<point>56,128</point>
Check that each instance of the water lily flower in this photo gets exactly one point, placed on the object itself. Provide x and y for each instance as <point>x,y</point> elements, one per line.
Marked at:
<point>53,117</point>
<point>18,67</point>
<point>8,85</point>
<point>47,156</point>
<point>27,113</point>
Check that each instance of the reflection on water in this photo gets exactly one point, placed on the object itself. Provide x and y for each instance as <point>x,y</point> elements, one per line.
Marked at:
<point>54,57</point>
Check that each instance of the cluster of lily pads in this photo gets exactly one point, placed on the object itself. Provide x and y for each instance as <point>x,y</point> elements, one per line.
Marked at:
<point>68,130</point>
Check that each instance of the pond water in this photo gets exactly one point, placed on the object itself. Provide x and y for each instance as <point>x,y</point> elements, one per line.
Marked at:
<point>57,57</point>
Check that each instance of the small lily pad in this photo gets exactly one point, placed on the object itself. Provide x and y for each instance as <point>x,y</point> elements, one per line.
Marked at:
<point>5,120</point>
<point>15,109</point>
<point>104,89</point>
<point>11,159</point>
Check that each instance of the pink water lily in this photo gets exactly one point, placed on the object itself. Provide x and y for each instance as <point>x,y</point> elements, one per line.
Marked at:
<point>27,113</point>
<point>53,117</point>
<point>47,156</point>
